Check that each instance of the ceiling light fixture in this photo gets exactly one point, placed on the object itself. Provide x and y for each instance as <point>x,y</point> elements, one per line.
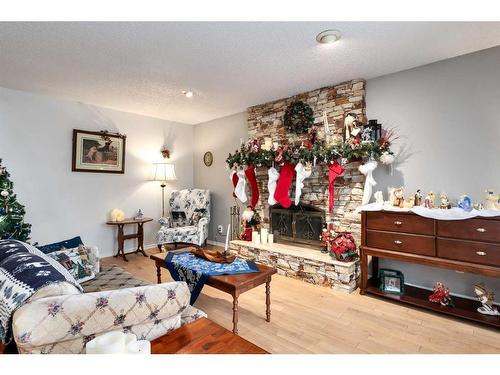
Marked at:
<point>328,36</point>
<point>188,94</point>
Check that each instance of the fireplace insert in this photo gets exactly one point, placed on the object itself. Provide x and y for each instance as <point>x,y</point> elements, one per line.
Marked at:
<point>298,224</point>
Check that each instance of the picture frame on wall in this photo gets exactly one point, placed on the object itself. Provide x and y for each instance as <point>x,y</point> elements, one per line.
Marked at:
<point>98,152</point>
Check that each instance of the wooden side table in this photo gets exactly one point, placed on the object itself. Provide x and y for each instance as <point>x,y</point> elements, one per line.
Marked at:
<point>122,237</point>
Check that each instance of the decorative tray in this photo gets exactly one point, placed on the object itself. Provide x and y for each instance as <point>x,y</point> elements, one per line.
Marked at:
<point>213,256</point>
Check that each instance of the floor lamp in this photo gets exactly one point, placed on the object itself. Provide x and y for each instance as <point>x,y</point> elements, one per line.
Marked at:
<point>163,172</point>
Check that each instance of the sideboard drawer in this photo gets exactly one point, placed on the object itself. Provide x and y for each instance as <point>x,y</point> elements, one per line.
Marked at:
<point>406,243</point>
<point>396,222</point>
<point>471,229</point>
<point>469,251</point>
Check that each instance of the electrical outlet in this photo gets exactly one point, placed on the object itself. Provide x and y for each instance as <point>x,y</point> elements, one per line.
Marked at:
<point>219,229</point>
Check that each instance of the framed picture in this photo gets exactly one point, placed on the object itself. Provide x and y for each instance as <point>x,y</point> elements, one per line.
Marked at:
<point>391,281</point>
<point>100,152</point>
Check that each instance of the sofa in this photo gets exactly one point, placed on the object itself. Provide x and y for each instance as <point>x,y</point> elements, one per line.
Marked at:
<point>189,216</point>
<point>61,318</point>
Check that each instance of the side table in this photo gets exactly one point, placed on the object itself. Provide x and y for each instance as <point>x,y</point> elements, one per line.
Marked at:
<point>122,237</point>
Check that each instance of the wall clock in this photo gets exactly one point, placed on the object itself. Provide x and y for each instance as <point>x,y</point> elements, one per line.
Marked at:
<point>208,158</point>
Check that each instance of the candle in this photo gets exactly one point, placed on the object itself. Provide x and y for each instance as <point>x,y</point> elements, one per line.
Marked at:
<point>270,238</point>
<point>227,239</point>
<point>256,238</point>
<point>263,235</point>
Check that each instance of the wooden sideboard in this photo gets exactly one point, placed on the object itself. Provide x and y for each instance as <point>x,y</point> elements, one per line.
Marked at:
<point>471,245</point>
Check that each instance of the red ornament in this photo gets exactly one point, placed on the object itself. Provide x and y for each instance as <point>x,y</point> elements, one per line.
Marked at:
<point>441,294</point>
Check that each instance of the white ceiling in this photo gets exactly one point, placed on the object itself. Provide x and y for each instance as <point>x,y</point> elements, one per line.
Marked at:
<point>143,67</point>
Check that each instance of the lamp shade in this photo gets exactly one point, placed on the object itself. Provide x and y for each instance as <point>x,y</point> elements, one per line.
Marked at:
<point>163,172</point>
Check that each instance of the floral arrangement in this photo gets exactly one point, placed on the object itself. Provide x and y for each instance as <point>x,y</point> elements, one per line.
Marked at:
<point>343,247</point>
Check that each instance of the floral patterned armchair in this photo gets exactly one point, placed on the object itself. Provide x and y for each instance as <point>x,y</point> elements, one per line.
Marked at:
<point>189,218</point>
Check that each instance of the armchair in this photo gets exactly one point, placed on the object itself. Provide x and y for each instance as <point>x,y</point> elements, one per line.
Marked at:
<point>189,216</point>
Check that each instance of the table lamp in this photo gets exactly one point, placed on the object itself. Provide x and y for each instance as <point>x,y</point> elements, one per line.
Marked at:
<point>163,172</point>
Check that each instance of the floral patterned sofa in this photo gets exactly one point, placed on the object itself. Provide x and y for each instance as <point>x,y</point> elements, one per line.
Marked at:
<point>60,319</point>
<point>188,220</point>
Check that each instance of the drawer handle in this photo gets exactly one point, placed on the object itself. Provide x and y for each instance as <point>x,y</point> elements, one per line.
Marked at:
<point>398,242</point>
<point>481,253</point>
<point>397,222</point>
<point>482,230</point>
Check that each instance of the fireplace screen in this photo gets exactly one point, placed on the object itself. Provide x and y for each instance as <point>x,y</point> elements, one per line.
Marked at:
<point>301,224</point>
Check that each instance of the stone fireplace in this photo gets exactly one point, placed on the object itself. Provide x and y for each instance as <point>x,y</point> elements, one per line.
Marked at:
<point>302,224</point>
<point>266,121</point>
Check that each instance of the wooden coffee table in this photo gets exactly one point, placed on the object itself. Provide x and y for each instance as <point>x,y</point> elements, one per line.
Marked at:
<point>203,337</point>
<point>232,284</point>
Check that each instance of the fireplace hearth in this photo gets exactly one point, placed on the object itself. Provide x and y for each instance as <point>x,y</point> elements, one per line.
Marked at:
<point>301,224</point>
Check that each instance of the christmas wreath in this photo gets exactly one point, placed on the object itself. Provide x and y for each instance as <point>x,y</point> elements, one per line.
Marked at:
<point>298,117</point>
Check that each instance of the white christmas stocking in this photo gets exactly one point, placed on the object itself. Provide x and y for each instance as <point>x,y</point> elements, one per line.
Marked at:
<point>367,169</point>
<point>240,189</point>
<point>271,184</point>
<point>301,174</point>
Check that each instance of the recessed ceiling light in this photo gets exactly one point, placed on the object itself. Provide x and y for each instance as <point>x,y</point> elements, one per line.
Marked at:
<point>188,94</point>
<point>328,36</point>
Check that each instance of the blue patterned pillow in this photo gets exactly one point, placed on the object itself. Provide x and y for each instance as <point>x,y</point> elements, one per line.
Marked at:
<point>67,244</point>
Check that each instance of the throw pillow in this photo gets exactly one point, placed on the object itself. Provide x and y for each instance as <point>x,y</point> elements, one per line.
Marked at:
<point>196,216</point>
<point>56,246</point>
<point>77,262</point>
<point>179,219</point>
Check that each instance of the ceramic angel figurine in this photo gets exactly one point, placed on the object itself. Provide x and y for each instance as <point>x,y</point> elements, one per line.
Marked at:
<point>445,203</point>
<point>418,198</point>
<point>429,200</point>
<point>398,197</point>
<point>486,297</point>
<point>351,128</point>
<point>379,197</point>
<point>409,203</point>
<point>492,201</point>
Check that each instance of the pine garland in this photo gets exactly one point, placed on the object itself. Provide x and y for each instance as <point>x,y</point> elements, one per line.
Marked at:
<point>252,153</point>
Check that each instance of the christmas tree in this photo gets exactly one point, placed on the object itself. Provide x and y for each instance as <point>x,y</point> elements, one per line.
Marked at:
<point>12,223</point>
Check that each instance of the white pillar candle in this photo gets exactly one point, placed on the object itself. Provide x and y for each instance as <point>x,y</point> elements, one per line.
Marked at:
<point>256,238</point>
<point>270,238</point>
<point>254,232</point>
<point>263,235</point>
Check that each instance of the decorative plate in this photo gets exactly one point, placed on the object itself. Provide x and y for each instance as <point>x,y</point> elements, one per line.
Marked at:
<point>208,158</point>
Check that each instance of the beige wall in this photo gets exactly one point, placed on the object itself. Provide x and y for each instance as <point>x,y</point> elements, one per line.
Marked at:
<point>220,136</point>
<point>35,144</point>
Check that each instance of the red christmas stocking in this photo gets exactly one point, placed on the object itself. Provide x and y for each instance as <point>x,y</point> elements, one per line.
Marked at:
<point>234,179</point>
<point>252,181</point>
<point>334,170</point>
<point>283,185</point>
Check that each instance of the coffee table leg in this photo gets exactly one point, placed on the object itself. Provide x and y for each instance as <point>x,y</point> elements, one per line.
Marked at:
<point>268,300</point>
<point>235,314</point>
<point>158,274</point>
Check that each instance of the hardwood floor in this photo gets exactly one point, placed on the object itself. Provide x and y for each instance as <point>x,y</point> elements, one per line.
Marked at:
<point>312,319</point>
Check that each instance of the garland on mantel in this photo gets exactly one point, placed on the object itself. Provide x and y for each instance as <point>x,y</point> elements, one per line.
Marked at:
<point>255,154</point>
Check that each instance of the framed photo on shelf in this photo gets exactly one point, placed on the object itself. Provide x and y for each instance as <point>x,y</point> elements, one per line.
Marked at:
<point>391,281</point>
<point>100,152</point>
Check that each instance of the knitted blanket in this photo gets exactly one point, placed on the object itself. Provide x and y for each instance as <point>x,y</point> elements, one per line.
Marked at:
<point>23,270</point>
